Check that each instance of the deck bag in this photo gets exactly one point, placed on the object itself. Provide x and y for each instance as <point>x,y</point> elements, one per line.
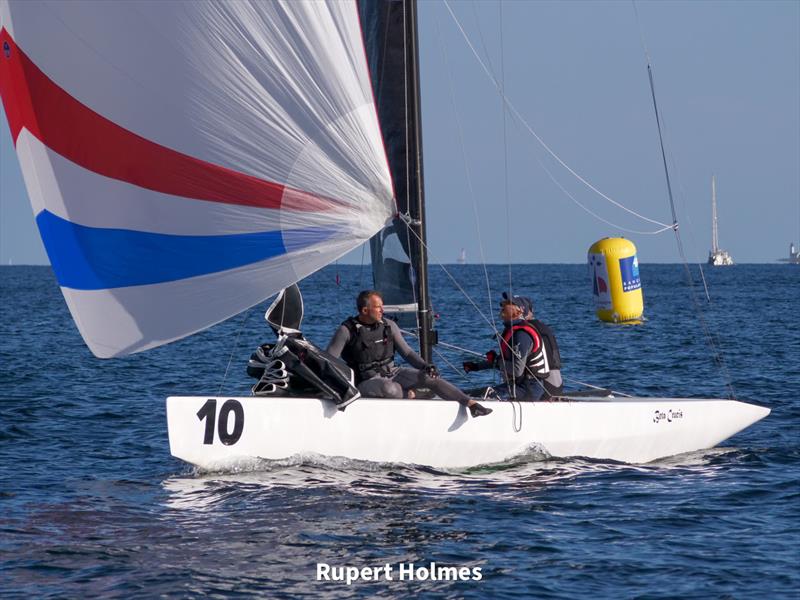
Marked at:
<point>301,369</point>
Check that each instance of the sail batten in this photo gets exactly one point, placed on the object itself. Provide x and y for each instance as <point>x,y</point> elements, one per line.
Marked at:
<point>188,161</point>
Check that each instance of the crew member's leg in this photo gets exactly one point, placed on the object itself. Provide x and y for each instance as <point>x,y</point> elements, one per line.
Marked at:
<point>412,378</point>
<point>408,378</point>
<point>380,387</point>
<point>445,389</point>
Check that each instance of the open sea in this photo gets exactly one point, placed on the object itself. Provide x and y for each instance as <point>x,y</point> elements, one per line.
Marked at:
<point>93,505</point>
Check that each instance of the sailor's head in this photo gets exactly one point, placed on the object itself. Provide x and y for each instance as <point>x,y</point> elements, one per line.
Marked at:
<point>370,306</point>
<point>515,307</point>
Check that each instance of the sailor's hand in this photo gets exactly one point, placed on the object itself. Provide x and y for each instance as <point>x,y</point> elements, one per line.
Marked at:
<point>431,371</point>
<point>491,356</point>
<point>471,366</point>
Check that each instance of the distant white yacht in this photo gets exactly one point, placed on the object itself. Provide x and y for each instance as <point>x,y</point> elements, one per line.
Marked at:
<point>794,255</point>
<point>717,257</point>
<point>462,258</point>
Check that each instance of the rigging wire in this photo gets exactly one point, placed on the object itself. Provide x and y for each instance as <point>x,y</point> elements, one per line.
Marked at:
<point>470,187</point>
<point>455,369</point>
<point>233,350</point>
<point>595,215</point>
<point>691,230</point>
<point>547,171</point>
<point>706,329</point>
<point>511,381</point>
<point>338,289</point>
<point>596,387</point>
<point>505,150</point>
<point>452,278</point>
<point>514,112</point>
<point>481,355</point>
<point>408,224</point>
<point>475,306</point>
<point>682,196</point>
<point>361,268</point>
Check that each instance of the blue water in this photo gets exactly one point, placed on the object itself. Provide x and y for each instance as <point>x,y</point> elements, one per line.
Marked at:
<point>92,504</point>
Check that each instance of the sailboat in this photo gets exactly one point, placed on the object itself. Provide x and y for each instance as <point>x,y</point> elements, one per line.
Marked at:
<point>186,161</point>
<point>794,255</point>
<point>716,257</point>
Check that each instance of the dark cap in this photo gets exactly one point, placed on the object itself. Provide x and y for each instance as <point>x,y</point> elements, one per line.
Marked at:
<point>521,301</point>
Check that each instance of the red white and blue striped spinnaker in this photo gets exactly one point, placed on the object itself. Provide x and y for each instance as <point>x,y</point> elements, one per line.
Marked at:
<point>186,160</point>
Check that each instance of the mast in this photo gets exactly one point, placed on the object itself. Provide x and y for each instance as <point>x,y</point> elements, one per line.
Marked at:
<point>416,188</point>
<point>714,234</point>
<point>391,42</point>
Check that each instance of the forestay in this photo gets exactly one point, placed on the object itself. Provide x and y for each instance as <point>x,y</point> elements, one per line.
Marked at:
<point>186,160</point>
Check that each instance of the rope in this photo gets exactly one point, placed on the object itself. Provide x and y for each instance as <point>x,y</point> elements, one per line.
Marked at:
<point>470,187</point>
<point>682,196</point>
<point>706,330</point>
<point>456,370</point>
<point>514,404</point>
<point>505,152</point>
<point>512,109</point>
<point>446,345</point>
<point>233,350</point>
<point>361,268</point>
<point>338,290</point>
<point>595,215</point>
<point>597,387</point>
<point>453,279</point>
<point>496,333</point>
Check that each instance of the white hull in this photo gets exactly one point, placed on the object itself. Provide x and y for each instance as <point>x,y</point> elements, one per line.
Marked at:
<point>441,433</point>
<point>720,258</point>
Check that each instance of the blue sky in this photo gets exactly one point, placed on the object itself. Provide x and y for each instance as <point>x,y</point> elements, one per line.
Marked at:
<point>727,80</point>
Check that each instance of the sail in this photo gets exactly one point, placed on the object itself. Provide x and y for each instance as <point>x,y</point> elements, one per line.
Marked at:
<point>186,160</point>
<point>384,27</point>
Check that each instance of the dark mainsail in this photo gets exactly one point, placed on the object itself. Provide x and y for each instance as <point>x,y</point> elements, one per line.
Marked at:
<point>399,257</point>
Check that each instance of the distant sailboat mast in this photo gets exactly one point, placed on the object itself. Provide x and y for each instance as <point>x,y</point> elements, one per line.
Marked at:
<point>714,232</point>
<point>716,257</point>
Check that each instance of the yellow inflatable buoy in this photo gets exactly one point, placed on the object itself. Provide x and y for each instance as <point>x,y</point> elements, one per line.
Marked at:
<point>616,285</point>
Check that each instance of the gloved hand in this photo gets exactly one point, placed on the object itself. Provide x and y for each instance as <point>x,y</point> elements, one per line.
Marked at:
<point>431,371</point>
<point>491,356</point>
<point>471,366</point>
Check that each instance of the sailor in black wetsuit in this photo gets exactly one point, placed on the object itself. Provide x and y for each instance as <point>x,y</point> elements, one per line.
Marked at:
<point>529,358</point>
<point>367,343</point>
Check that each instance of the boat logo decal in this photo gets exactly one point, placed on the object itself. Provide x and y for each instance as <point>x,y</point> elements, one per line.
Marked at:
<point>668,415</point>
<point>6,49</point>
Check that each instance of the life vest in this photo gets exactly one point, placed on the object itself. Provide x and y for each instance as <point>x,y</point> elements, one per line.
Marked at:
<point>544,355</point>
<point>370,349</point>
